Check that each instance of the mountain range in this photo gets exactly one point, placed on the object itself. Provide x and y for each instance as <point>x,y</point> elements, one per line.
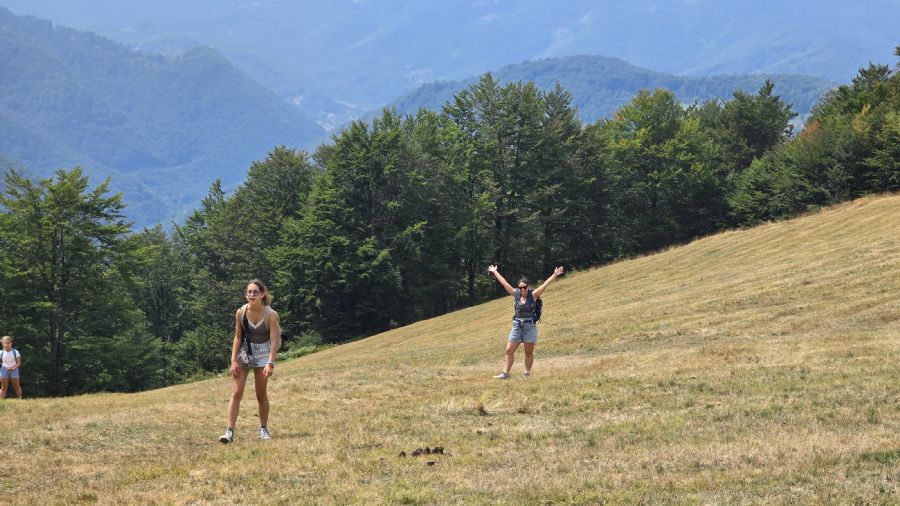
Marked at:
<point>335,59</point>
<point>190,92</point>
<point>600,85</point>
<point>163,126</point>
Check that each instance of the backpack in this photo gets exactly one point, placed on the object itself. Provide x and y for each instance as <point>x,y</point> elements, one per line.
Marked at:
<point>537,306</point>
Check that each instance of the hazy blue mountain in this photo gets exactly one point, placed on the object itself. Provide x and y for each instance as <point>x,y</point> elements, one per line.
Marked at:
<point>335,58</point>
<point>163,126</point>
<point>600,85</point>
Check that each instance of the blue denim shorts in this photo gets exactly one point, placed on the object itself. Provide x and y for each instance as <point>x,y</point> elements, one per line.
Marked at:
<point>4,373</point>
<point>523,331</point>
<point>260,354</point>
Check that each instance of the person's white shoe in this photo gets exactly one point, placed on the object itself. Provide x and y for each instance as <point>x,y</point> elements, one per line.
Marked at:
<point>526,374</point>
<point>264,433</point>
<point>227,437</point>
<point>502,376</point>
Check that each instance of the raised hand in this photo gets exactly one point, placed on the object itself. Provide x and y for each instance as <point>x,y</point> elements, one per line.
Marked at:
<point>558,271</point>
<point>492,268</point>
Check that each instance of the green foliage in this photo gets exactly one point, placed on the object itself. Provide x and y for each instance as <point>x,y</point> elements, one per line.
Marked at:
<point>750,125</point>
<point>204,348</point>
<point>66,276</point>
<point>663,184</point>
<point>163,271</point>
<point>343,259</point>
<point>397,220</point>
<point>847,149</point>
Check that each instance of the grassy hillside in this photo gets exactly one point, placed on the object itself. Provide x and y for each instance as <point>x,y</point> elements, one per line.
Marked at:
<point>755,366</point>
<point>600,85</point>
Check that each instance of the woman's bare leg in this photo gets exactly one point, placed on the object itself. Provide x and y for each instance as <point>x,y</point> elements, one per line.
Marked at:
<point>511,348</point>
<point>237,392</point>
<point>529,356</point>
<point>261,396</point>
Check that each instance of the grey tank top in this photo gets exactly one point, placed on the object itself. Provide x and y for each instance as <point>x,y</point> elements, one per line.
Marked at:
<point>259,334</point>
<point>524,309</point>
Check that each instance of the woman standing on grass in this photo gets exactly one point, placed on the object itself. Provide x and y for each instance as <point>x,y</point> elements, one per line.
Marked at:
<point>524,328</point>
<point>257,338</point>
<point>10,361</point>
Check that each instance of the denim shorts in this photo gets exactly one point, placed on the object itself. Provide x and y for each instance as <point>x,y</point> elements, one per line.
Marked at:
<point>260,354</point>
<point>523,331</point>
<point>4,373</point>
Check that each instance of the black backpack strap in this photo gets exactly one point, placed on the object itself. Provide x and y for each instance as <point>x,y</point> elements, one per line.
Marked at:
<point>244,324</point>
<point>515,301</point>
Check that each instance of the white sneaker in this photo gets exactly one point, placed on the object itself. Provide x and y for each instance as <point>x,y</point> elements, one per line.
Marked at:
<point>502,376</point>
<point>227,437</point>
<point>526,374</point>
<point>264,433</point>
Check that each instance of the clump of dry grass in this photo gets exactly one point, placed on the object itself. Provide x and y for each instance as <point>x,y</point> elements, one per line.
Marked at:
<point>754,366</point>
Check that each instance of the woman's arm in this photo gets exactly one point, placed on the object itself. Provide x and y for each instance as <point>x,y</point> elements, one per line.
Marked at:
<point>274,342</point>
<point>493,270</point>
<point>540,290</point>
<point>18,361</point>
<point>236,345</point>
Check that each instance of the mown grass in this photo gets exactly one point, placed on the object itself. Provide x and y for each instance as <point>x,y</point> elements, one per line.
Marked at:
<point>752,367</point>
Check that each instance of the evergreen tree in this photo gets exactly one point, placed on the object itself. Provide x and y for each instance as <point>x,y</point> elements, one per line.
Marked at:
<point>342,262</point>
<point>847,149</point>
<point>554,188</point>
<point>67,276</point>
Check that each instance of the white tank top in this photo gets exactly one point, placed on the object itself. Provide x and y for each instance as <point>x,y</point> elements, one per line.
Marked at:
<point>9,357</point>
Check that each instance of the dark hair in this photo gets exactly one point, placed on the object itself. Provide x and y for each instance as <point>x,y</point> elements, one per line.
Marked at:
<point>523,279</point>
<point>267,298</point>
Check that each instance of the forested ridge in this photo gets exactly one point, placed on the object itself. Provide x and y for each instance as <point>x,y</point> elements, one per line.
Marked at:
<point>161,125</point>
<point>397,219</point>
<point>600,85</point>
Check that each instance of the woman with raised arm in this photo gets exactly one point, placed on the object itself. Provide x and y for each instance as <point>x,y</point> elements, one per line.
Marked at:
<point>257,338</point>
<point>524,328</point>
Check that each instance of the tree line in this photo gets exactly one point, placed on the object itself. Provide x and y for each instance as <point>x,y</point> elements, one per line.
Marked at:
<point>396,219</point>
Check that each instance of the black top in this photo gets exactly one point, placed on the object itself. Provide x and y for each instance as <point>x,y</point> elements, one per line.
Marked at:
<point>524,309</point>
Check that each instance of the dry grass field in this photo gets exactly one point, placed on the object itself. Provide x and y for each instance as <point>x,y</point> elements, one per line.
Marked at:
<point>752,367</point>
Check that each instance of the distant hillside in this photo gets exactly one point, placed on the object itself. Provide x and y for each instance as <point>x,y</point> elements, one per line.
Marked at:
<point>337,56</point>
<point>163,126</point>
<point>750,367</point>
<point>600,85</point>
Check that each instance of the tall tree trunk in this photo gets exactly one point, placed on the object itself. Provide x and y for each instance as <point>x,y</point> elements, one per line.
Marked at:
<point>56,357</point>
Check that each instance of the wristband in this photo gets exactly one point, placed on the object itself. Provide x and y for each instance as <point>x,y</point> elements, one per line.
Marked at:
<point>270,364</point>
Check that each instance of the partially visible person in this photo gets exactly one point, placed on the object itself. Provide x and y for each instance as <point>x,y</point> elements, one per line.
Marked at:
<point>263,339</point>
<point>11,361</point>
<point>524,328</point>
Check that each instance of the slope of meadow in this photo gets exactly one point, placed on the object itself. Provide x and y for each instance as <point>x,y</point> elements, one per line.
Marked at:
<point>754,366</point>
